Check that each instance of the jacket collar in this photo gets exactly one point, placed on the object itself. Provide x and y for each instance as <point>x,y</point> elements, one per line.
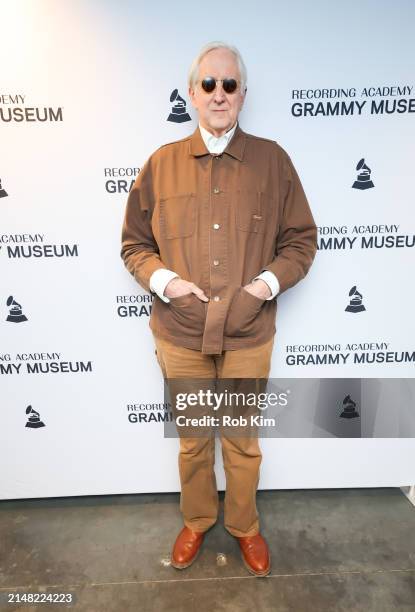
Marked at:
<point>235,147</point>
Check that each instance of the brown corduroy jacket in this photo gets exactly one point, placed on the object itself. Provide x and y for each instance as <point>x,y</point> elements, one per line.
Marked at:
<point>218,221</point>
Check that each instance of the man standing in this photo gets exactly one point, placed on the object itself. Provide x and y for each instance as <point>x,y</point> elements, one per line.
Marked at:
<point>216,225</point>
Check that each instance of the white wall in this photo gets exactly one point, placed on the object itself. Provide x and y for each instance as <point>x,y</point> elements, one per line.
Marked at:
<point>108,68</point>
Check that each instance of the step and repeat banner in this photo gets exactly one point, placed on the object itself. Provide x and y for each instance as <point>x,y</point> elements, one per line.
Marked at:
<point>88,90</point>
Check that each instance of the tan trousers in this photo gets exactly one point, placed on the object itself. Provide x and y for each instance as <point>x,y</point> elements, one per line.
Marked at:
<point>242,457</point>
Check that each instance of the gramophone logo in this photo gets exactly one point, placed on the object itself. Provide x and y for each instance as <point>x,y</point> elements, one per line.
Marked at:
<point>356,298</point>
<point>363,180</point>
<point>178,111</point>
<point>3,192</point>
<point>349,409</point>
<point>15,311</point>
<point>33,420</point>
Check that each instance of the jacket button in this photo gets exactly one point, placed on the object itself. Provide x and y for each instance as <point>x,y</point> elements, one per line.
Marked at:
<point>216,262</point>
<point>216,190</point>
<point>216,226</point>
<point>216,298</point>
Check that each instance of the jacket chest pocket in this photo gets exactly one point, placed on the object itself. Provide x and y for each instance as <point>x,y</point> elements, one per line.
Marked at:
<point>178,215</point>
<point>251,211</point>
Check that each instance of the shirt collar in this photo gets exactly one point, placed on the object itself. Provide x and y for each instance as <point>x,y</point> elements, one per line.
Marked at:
<point>216,144</point>
<point>235,147</point>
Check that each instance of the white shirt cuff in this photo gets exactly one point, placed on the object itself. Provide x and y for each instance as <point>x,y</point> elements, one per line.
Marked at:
<point>159,281</point>
<point>272,282</point>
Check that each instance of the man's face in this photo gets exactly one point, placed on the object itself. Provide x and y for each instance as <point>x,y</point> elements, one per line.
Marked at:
<point>218,111</point>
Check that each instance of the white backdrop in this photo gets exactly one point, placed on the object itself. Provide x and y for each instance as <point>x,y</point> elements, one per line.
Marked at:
<point>84,100</point>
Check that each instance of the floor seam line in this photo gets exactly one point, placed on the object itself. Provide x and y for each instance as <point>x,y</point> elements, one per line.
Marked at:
<point>169,580</point>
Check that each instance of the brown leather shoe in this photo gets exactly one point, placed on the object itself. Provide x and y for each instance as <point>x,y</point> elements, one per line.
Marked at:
<point>186,547</point>
<point>255,554</point>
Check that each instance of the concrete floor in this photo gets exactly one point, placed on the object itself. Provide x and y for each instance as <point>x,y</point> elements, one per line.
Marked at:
<point>332,550</point>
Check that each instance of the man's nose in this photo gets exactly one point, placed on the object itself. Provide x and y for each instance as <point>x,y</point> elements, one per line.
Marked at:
<point>219,93</point>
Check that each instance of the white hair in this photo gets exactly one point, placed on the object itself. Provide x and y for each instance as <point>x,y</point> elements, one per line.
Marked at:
<point>194,68</point>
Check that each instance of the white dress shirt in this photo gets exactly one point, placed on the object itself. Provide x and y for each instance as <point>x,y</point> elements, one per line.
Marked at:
<point>161,277</point>
<point>214,144</point>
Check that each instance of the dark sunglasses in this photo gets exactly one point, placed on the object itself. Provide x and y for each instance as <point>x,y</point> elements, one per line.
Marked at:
<point>229,85</point>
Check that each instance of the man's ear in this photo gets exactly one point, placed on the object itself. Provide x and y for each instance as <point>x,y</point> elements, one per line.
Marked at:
<point>191,93</point>
<point>243,98</point>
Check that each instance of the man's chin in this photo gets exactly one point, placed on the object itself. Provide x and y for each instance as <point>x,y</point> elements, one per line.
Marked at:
<point>220,123</point>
